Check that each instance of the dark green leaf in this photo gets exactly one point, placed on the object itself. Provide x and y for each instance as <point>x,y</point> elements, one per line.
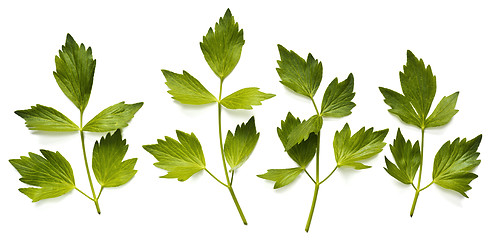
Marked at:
<point>108,167</point>
<point>282,177</point>
<point>186,89</point>
<point>51,174</point>
<point>454,163</point>
<point>303,152</point>
<point>75,71</point>
<point>223,46</point>
<point>238,147</point>
<point>303,77</point>
<point>181,159</point>
<point>245,98</point>
<point>407,158</point>
<point>113,117</point>
<point>349,150</point>
<point>44,118</point>
<point>444,111</point>
<point>303,131</point>
<point>400,106</point>
<point>337,100</point>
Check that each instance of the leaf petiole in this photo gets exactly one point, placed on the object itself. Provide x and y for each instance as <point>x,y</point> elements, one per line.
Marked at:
<point>417,190</point>
<point>95,200</point>
<point>222,183</point>
<point>334,170</point>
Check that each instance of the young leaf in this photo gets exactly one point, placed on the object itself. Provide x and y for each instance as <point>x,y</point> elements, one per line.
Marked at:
<point>44,118</point>
<point>407,158</point>
<point>245,98</point>
<point>50,173</point>
<point>238,147</point>
<point>186,89</point>
<point>400,106</point>
<point>282,177</point>
<point>303,77</point>
<point>418,85</point>
<point>181,159</point>
<point>348,150</point>
<point>113,117</point>
<point>303,152</point>
<point>75,71</point>
<point>108,167</point>
<point>223,46</point>
<point>302,131</point>
<point>454,162</point>
<point>444,111</point>
<point>337,100</point>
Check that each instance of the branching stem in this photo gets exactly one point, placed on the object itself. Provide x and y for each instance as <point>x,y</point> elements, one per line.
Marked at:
<point>417,191</point>
<point>94,198</point>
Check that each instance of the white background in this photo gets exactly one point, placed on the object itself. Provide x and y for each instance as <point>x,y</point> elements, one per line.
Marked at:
<point>132,42</point>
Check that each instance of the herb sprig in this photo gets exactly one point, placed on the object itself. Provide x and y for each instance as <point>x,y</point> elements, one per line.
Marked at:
<point>454,162</point>
<point>51,174</point>
<point>183,158</point>
<point>301,139</point>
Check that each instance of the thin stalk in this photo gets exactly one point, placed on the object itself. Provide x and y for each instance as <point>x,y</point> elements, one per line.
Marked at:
<point>215,178</point>
<point>314,199</point>
<point>417,191</point>
<point>95,200</point>
<point>79,190</point>
<point>229,184</point>
<point>334,170</point>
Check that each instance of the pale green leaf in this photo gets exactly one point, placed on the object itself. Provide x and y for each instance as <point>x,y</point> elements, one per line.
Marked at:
<point>444,111</point>
<point>303,131</point>
<point>407,158</point>
<point>186,89</point>
<point>51,175</point>
<point>282,177</point>
<point>238,147</point>
<point>303,152</point>
<point>301,76</point>
<point>454,163</point>
<point>108,166</point>
<point>223,46</point>
<point>113,117</point>
<point>337,100</point>
<point>44,118</point>
<point>181,159</point>
<point>349,150</point>
<point>75,71</point>
<point>245,98</point>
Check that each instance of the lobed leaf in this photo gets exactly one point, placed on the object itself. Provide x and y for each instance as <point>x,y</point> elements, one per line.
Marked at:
<point>51,174</point>
<point>454,163</point>
<point>75,71</point>
<point>337,100</point>
<point>245,98</point>
<point>303,131</point>
<point>108,166</point>
<point>44,118</point>
<point>281,177</point>
<point>444,111</point>
<point>303,152</point>
<point>401,107</point>
<point>181,159</point>
<point>113,117</point>
<point>238,147</point>
<point>407,158</point>
<point>301,76</point>
<point>223,46</point>
<point>186,89</point>
<point>349,150</point>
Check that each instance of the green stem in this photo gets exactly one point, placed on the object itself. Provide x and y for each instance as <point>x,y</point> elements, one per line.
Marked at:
<point>314,199</point>
<point>95,200</point>
<point>99,194</point>
<point>305,170</point>
<point>215,178</point>
<point>229,184</point>
<point>79,190</point>
<point>329,175</point>
<point>417,191</point>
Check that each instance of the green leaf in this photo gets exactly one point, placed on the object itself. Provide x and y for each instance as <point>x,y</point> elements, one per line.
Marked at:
<point>223,46</point>
<point>75,71</point>
<point>303,77</point>
<point>238,147</point>
<point>245,98</point>
<point>454,163</point>
<point>337,100</point>
<point>418,85</point>
<point>282,177</point>
<point>108,167</point>
<point>303,131</point>
<point>50,173</point>
<point>349,150</point>
<point>407,158</point>
<point>113,117</point>
<point>400,106</point>
<point>444,111</point>
<point>44,118</point>
<point>181,159</point>
<point>303,152</point>
<point>186,89</point>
